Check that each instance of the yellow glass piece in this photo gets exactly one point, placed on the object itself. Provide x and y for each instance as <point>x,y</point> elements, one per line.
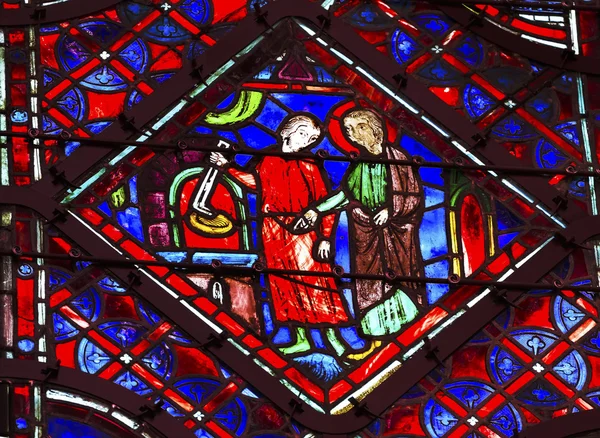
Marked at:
<point>454,243</point>
<point>217,225</point>
<point>491,240</point>
<point>359,356</point>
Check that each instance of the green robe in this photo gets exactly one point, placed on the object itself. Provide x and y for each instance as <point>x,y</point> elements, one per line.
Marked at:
<point>367,184</point>
<point>368,187</point>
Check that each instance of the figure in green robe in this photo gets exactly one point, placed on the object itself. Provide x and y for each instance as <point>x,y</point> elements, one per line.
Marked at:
<point>382,201</point>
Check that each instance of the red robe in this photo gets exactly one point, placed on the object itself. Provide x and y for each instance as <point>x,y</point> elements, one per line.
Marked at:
<point>290,186</point>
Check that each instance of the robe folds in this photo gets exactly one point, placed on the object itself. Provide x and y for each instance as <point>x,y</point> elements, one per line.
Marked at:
<point>383,309</point>
<point>287,187</point>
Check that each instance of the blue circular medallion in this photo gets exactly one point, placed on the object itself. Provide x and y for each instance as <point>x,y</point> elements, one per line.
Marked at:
<point>404,47</point>
<point>88,303</point>
<point>25,270</point>
<point>469,394</point>
<point>550,157</point>
<point>160,360</point>
<point>513,128</point>
<point>470,50</point>
<point>476,102</point>
<point>123,333</point>
<point>197,389</point>
<point>17,56</point>
<point>368,16</point>
<point>26,345</point>
<point>234,416</point>
<point>19,116</point>
<point>539,392</point>
<point>21,423</point>
<point>198,10</point>
<point>544,105</point>
<point>566,315</point>
<point>91,358</point>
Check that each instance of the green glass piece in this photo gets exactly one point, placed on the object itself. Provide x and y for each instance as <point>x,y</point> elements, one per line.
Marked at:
<point>118,197</point>
<point>389,316</point>
<point>335,342</point>
<point>246,106</point>
<point>301,344</point>
<point>368,184</point>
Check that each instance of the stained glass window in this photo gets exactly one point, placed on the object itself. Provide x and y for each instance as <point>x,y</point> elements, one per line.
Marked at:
<point>275,219</point>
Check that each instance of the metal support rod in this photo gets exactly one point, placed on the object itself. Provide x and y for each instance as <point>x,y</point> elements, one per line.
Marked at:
<point>246,271</point>
<point>416,162</point>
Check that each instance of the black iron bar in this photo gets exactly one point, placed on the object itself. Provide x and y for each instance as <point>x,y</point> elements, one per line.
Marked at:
<point>456,163</point>
<point>251,271</point>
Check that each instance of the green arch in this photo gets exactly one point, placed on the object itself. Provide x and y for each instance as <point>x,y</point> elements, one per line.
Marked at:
<point>460,188</point>
<point>235,188</point>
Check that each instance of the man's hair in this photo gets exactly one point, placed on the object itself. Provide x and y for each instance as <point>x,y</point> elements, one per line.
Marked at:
<point>371,118</point>
<point>292,125</point>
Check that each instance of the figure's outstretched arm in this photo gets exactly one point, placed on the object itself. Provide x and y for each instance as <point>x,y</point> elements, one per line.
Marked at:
<point>334,201</point>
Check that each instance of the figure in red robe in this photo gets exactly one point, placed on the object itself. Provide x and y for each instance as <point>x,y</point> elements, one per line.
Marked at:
<point>287,187</point>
